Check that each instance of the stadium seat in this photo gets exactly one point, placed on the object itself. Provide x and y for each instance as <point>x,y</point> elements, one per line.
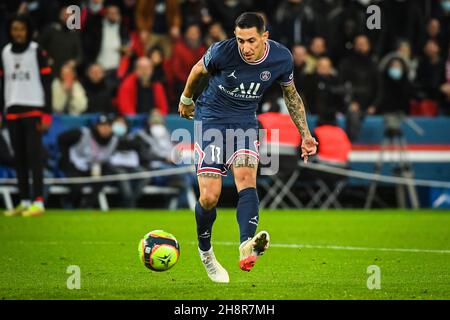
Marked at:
<point>279,154</point>
<point>334,150</point>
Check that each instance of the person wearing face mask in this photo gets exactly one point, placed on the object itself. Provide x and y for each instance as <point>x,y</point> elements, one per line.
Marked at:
<point>395,89</point>
<point>127,158</point>
<point>104,39</point>
<point>158,153</point>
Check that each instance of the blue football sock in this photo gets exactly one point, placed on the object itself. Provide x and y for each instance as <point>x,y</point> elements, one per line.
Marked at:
<point>205,220</point>
<point>247,213</point>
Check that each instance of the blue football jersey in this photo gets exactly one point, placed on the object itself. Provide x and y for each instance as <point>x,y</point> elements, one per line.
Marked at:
<point>236,86</point>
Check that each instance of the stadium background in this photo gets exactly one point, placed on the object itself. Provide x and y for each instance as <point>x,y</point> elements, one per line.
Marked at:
<point>416,32</point>
<point>314,254</point>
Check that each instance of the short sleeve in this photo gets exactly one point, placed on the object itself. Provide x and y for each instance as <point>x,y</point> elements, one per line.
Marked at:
<point>211,59</point>
<point>287,76</point>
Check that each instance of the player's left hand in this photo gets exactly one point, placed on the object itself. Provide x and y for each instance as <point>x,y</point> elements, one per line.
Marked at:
<point>186,111</point>
<point>309,148</point>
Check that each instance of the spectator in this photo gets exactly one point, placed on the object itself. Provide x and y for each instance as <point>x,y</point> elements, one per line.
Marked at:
<point>99,93</point>
<point>69,96</point>
<point>323,10</point>
<point>186,53</point>
<point>226,11</point>
<point>434,32</point>
<point>138,47</point>
<point>127,160</point>
<point>299,54</point>
<point>294,23</point>
<point>359,75</point>
<point>161,69</point>
<point>85,152</point>
<point>195,12</point>
<point>139,94</point>
<point>90,9</point>
<point>321,90</point>
<point>40,11</point>
<point>157,145</point>
<point>344,24</point>
<point>445,89</point>
<point>317,49</point>
<point>162,18</point>
<point>128,9</point>
<point>63,45</point>
<point>394,79</point>
<point>401,20</point>
<point>104,39</point>
<point>442,13</point>
<point>431,71</point>
<point>25,80</point>
<point>402,51</point>
<point>215,33</point>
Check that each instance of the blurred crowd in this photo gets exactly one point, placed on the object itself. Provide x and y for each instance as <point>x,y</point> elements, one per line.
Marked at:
<point>132,57</point>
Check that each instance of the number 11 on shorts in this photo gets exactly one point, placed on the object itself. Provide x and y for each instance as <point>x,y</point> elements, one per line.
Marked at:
<point>215,153</point>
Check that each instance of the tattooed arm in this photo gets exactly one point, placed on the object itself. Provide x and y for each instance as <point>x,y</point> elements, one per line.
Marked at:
<point>296,109</point>
<point>298,114</point>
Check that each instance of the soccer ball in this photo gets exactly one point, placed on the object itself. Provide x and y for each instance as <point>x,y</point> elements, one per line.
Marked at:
<point>159,250</point>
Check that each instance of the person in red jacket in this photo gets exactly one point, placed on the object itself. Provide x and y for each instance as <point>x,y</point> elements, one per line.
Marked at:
<point>139,94</point>
<point>186,52</point>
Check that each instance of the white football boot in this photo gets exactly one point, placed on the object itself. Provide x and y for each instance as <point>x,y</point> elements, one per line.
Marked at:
<point>250,250</point>
<point>215,271</point>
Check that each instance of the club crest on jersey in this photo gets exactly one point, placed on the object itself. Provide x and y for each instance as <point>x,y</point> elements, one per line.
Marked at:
<point>265,75</point>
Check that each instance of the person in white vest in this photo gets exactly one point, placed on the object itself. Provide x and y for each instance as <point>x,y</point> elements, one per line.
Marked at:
<point>25,102</point>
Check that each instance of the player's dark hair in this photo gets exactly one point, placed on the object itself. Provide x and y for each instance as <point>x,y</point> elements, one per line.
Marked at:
<point>249,20</point>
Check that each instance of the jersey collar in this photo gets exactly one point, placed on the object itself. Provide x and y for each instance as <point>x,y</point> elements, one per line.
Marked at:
<point>266,53</point>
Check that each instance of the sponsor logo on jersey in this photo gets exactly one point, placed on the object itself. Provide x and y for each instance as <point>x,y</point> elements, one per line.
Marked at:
<point>243,92</point>
<point>265,75</point>
<point>232,75</point>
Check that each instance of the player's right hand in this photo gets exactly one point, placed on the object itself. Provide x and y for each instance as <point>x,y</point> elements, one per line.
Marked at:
<point>186,111</point>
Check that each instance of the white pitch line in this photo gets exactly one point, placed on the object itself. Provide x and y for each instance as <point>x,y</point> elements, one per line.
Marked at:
<point>332,247</point>
<point>224,243</point>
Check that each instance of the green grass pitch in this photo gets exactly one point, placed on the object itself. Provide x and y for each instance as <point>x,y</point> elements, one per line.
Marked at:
<point>313,255</point>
